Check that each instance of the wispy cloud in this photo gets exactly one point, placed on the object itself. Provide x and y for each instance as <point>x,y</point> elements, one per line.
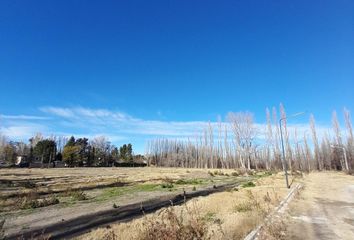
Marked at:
<point>118,126</point>
<point>114,121</point>
<point>23,131</point>
<point>61,112</point>
<point>23,117</point>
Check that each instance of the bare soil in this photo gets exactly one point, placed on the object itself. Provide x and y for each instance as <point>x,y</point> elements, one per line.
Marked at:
<point>324,208</point>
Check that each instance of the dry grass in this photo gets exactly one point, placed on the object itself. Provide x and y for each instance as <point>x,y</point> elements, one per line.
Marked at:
<point>274,230</point>
<point>25,193</point>
<point>227,215</point>
<point>186,224</point>
<point>2,231</point>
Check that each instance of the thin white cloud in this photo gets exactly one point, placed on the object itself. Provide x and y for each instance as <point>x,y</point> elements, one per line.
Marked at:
<point>119,126</point>
<point>23,131</point>
<point>61,112</point>
<point>22,117</point>
<point>100,119</point>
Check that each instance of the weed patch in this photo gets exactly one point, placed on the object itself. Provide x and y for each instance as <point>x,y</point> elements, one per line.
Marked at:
<point>248,185</point>
<point>31,200</point>
<point>167,185</point>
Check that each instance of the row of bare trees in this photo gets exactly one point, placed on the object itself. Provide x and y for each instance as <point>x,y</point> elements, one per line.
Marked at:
<point>238,142</point>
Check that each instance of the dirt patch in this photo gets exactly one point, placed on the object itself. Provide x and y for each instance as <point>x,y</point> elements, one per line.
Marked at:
<point>324,209</point>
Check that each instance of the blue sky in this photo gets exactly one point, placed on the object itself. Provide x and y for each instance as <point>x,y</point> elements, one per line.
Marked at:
<point>133,70</point>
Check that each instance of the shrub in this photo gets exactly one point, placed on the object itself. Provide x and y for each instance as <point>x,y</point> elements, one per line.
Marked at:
<point>31,201</point>
<point>78,195</point>
<point>250,204</point>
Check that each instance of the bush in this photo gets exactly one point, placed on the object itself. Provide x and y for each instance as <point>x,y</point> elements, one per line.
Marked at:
<point>31,201</point>
<point>76,195</point>
<point>250,204</point>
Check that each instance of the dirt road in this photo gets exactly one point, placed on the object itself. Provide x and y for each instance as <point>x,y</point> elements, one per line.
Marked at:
<point>324,209</point>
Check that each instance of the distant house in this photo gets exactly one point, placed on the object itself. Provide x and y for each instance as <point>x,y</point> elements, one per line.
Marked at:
<point>22,161</point>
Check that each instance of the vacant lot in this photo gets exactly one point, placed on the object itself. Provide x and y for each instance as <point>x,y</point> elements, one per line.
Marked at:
<point>226,215</point>
<point>36,198</point>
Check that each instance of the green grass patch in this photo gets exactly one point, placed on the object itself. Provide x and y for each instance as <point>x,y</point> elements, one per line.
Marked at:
<point>248,184</point>
<point>119,191</point>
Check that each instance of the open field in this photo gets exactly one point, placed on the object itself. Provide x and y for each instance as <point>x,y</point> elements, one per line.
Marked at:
<point>115,203</point>
<point>36,198</point>
<point>225,215</point>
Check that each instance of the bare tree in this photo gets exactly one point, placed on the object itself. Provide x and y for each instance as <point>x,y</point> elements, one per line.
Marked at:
<point>315,142</point>
<point>350,137</point>
<point>286,135</point>
<point>338,137</point>
<point>245,132</point>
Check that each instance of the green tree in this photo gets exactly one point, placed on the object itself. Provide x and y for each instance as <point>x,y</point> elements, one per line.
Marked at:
<point>84,151</point>
<point>71,155</point>
<point>45,150</point>
<point>129,153</point>
<point>71,141</point>
<point>126,152</point>
<point>123,152</point>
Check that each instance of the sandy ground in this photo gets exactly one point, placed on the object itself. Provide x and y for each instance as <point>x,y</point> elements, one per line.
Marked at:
<point>324,209</point>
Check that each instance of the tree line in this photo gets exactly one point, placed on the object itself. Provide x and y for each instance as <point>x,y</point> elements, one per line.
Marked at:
<point>238,142</point>
<point>74,152</point>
